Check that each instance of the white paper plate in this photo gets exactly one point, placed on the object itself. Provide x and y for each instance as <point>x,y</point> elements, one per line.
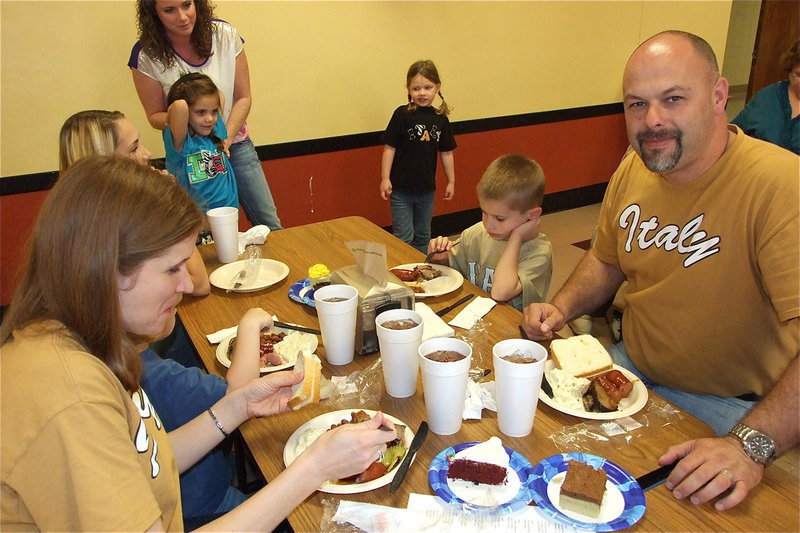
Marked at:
<point>270,273</point>
<point>450,280</point>
<point>326,421</point>
<point>222,351</point>
<point>627,407</point>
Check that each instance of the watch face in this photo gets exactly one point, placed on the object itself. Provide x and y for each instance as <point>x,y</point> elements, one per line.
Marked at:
<point>760,446</point>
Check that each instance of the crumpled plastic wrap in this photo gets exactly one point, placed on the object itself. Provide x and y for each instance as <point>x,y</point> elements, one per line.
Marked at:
<point>478,338</point>
<point>360,389</point>
<point>590,436</point>
<point>385,520</point>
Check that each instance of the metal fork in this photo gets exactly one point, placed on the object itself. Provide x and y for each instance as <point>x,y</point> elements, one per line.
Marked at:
<point>430,255</point>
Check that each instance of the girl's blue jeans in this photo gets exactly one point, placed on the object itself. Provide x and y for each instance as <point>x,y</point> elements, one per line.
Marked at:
<point>721,413</point>
<point>254,194</point>
<point>411,217</point>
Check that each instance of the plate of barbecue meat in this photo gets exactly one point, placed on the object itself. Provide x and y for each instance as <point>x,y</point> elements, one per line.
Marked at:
<point>427,280</point>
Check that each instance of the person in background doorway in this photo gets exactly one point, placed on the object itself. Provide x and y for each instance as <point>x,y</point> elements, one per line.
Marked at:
<point>773,114</point>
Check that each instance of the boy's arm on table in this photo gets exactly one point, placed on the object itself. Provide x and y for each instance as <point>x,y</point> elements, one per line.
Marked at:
<point>246,355</point>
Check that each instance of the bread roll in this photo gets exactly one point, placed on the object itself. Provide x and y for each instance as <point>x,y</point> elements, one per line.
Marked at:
<point>307,391</point>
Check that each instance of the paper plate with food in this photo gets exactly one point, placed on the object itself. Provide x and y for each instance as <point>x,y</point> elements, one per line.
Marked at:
<point>379,474</point>
<point>482,477</point>
<point>286,343</point>
<point>587,384</point>
<point>427,280</point>
<point>585,491</point>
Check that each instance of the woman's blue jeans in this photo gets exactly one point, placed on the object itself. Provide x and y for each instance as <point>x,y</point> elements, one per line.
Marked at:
<point>254,194</point>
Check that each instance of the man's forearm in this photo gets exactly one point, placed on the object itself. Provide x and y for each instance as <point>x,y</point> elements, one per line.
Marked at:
<point>590,285</point>
<point>778,413</point>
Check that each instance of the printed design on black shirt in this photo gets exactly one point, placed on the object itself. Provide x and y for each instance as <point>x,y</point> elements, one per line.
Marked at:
<point>420,132</point>
<point>142,439</point>
<point>688,240</point>
<point>205,165</point>
<point>474,275</point>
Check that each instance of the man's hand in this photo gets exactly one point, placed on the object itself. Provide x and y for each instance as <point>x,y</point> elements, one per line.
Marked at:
<point>541,320</point>
<point>709,468</point>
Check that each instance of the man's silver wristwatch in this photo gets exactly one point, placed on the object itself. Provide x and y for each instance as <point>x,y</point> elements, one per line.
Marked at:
<point>757,445</point>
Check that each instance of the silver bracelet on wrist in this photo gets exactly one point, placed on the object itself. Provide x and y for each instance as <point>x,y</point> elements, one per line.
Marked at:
<point>217,422</point>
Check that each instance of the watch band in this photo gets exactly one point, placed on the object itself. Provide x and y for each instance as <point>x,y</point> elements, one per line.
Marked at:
<point>741,432</point>
<point>745,434</point>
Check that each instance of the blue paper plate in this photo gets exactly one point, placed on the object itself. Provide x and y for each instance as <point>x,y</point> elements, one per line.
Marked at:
<point>518,465</point>
<point>623,504</point>
<point>302,292</point>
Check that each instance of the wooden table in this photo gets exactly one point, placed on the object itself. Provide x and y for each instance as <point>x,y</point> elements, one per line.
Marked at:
<point>773,506</point>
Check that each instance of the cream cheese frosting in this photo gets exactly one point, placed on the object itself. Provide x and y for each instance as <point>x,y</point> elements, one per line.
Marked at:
<point>491,452</point>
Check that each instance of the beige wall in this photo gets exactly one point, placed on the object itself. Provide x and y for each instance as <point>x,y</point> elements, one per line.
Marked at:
<point>321,69</point>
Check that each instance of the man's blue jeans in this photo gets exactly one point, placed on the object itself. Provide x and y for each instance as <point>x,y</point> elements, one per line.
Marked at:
<point>721,413</point>
<point>411,218</point>
<point>254,194</point>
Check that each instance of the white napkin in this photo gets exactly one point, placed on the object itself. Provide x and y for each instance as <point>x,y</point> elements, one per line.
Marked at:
<point>255,235</point>
<point>219,336</point>
<point>476,309</point>
<point>432,324</point>
<point>479,396</point>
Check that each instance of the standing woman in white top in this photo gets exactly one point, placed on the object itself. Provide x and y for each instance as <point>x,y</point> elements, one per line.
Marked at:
<point>181,36</point>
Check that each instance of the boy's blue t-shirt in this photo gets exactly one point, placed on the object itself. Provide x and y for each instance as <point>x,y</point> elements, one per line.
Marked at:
<point>202,169</point>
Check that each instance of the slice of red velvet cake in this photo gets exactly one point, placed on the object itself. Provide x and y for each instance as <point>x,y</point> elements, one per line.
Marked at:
<point>583,489</point>
<point>486,462</point>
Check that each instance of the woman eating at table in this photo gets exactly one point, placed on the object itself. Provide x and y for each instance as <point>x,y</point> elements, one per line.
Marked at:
<point>105,271</point>
<point>177,390</point>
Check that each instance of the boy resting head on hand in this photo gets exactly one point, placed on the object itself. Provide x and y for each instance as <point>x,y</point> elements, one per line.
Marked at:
<point>504,254</point>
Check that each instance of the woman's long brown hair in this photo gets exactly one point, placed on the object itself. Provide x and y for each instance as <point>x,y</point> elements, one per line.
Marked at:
<point>104,217</point>
<point>153,36</point>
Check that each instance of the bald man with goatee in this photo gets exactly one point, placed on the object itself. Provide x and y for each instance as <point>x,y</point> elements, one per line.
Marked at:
<point>702,222</point>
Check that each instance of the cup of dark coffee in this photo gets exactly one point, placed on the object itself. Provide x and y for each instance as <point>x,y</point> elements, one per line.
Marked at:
<point>445,366</point>
<point>399,335</point>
